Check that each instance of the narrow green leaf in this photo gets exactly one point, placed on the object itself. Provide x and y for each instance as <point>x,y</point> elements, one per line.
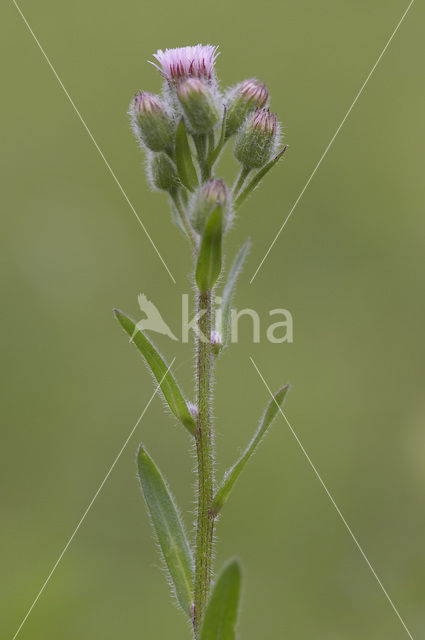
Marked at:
<point>234,472</point>
<point>214,153</point>
<point>168,528</point>
<point>185,167</point>
<point>223,606</point>
<point>169,386</point>
<point>223,324</point>
<point>257,179</point>
<point>209,260</point>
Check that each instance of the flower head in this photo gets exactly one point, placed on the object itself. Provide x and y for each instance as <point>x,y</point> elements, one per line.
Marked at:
<point>254,92</point>
<point>146,103</point>
<point>211,195</point>
<point>264,121</point>
<point>199,104</point>
<point>241,100</point>
<point>214,193</point>
<point>186,62</point>
<point>257,139</point>
<point>151,122</point>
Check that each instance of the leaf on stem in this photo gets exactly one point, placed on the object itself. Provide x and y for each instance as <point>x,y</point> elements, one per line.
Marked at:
<point>160,370</point>
<point>214,153</point>
<point>229,291</point>
<point>168,528</point>
<point>234,472</point>
<point>257,179</point>
<point>185,167</point>
<point>208,267</point>
<point>222,609</point>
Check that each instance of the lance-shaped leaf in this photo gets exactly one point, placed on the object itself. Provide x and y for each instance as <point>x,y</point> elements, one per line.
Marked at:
<point>209,259</point>
<point>215,152</point>
<point>168,529</point>
<point>165,378</point>
<point>222,610</point>
<point>232,475</point>
<point>223,316</point>
<point>185,167</point>
<point>257,179</point>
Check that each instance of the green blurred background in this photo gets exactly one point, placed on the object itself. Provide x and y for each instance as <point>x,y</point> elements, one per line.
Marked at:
<point>349,266</point>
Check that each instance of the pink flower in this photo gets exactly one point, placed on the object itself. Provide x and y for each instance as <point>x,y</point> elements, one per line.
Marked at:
<point>185,62</point>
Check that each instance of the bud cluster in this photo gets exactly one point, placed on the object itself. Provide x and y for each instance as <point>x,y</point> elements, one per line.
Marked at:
<point>185,129</point>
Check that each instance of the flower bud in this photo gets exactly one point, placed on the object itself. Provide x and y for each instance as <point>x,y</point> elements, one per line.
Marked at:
<point>193,409</point>
<point>198,104</point>
<point>163,173</point>
<point>257,139</point>
<point>211,195</point>
<point>151,121</point>
<point>216,341</point>
<point>241,100</point>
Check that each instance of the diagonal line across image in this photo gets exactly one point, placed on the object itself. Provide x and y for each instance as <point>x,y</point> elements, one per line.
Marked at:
<point>102,155</point>
<point>83,517</point>
<point>330,143</point>
<point>329,495</point>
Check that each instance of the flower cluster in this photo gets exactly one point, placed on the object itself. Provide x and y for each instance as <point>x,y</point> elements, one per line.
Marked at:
<point>185,129</point>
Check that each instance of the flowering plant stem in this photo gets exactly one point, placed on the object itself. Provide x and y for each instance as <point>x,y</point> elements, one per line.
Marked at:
<point>183,132</point>
<point>205,461</point>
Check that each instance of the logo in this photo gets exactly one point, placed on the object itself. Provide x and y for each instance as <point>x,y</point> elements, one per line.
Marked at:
<point>276,332</point>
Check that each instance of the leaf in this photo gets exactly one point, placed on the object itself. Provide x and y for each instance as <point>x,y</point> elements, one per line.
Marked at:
<point>257,179</point>
<point>185,167</point>
<point>214,153</point>
<point>222,610</point>
<point>228,292</point>
<point>168,529</point>
<point>168,384</point>
<point>234,472</point>
<point>208,267</point>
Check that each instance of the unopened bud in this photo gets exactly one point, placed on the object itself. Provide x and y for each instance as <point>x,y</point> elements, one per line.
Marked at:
<point>199,105</point>
<point>193,409</point>
<point>211,195</point>
<point>216,341</point>
<point>241,100</point>
<point>257,139</point>
<point>163,173</point>
<point>151,121</point>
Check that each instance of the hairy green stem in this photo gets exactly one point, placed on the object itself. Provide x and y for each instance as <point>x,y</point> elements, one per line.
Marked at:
<point>201,144</point>
<point>205,460</point>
